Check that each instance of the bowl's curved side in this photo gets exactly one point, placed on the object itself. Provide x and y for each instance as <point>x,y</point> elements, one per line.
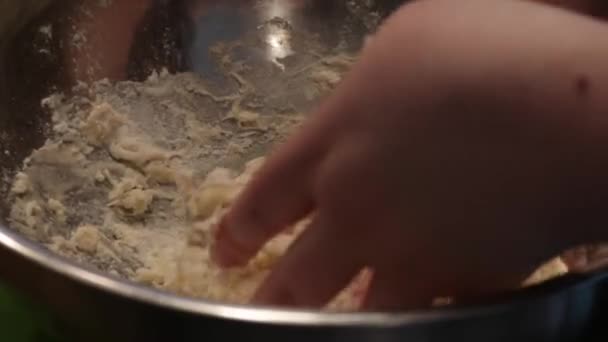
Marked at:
<point>100,308</point>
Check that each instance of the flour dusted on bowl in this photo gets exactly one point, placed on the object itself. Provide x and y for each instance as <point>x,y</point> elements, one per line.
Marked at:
<point>135,175</point>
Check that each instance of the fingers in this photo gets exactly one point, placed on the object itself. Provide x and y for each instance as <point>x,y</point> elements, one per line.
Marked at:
<point>282,192</point>
<point>279,195</point>
<point>316,269</point>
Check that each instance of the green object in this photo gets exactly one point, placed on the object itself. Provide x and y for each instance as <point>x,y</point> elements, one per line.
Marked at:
<point>22,321</point>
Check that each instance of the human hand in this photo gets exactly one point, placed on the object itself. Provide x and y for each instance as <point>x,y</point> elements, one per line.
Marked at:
<point>449,161</point>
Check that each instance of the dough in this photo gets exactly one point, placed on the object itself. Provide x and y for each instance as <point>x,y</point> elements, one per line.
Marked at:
<point>21,184</point>
<point>101,125</point>
<point>86,239</point>
<point>136,175</point>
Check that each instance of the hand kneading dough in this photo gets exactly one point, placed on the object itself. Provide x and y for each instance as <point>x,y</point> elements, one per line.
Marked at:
<point>129,180</point>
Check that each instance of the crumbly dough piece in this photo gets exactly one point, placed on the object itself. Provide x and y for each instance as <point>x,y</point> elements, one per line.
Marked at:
<point>102,124</point>
<point>33,213</point>
<point>21,184</point>
<point>133,150</point>
<point>160,173</point>
<point>87,238</point>
<point>58,210</point>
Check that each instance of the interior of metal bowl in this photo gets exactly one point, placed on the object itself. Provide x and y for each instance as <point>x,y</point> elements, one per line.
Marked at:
<point>40,42</point>
<point>49,46</point>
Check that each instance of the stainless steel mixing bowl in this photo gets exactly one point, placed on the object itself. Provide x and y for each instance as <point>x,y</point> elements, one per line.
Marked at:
<point>41,52</point>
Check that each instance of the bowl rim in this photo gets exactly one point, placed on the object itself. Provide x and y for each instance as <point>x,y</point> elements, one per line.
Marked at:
<point>39,255</point>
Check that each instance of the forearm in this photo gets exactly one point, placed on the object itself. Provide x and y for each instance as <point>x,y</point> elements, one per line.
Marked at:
<point>556,78</point>
<point>564,87</point>
<point>543,72</point>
